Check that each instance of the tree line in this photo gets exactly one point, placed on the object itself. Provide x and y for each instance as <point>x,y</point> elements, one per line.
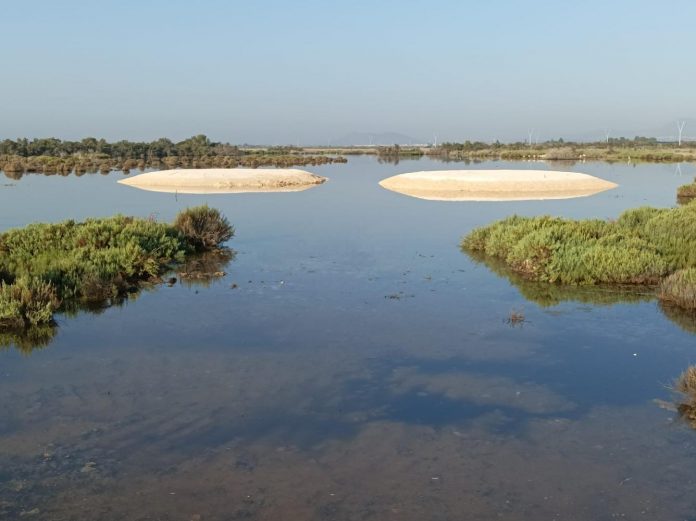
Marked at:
<point>56,156</point>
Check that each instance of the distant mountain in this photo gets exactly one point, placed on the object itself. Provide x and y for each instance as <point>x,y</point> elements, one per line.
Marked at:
<point>376,138</point>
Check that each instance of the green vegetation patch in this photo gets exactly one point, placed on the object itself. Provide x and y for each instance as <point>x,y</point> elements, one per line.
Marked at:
<point>643,246</point>
<point>45,265</point>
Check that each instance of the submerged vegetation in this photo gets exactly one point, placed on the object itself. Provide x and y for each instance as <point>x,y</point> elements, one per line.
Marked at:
<point>53,156</point>
<point>48,267</point>
<point>644,246</point>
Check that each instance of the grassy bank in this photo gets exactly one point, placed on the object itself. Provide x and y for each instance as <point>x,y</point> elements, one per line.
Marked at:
<point>44,267</point>
<point>644,246</point>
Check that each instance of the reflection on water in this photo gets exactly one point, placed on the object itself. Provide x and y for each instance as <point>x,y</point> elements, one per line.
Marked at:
<point>289,387</point>
<point>549,295</point>
<point>198,270</point>
<point>26,340</point>
<point>205,268</point>
<point>684,318</point>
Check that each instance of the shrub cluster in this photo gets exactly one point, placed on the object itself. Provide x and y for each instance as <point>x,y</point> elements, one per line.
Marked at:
<point>204,227</point>
<point>643,246</point>
<point>95,260</point>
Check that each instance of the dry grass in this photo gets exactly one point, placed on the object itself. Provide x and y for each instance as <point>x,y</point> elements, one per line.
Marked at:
<point>679,289</point>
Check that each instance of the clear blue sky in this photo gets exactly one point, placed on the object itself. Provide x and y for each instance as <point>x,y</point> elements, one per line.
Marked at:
<point>279,72</point>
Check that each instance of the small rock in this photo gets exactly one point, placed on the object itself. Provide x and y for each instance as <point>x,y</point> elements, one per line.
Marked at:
<point>90,466</point>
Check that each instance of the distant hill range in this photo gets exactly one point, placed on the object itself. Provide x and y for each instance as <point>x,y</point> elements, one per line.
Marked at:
<point>376,138</point>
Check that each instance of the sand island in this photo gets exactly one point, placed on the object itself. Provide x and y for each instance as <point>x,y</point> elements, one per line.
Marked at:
<point>495,185</point>
<point>225,180</point>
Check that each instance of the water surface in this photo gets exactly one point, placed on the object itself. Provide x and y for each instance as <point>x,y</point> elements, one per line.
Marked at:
<point>351,364</point>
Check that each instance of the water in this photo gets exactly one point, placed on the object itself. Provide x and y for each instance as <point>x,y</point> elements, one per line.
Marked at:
<point>362,368</point>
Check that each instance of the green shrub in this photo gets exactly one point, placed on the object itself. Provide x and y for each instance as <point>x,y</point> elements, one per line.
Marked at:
<point>203,227</point>
<point>27,303</point>
<point>97,260</point>
<point>642,246</point>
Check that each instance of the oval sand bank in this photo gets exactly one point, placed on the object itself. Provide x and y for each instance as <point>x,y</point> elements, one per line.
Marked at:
<point>495,185</point>
<point>225,180</point>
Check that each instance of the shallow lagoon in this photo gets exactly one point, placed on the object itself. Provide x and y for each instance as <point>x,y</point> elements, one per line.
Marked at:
<point>361,369</point>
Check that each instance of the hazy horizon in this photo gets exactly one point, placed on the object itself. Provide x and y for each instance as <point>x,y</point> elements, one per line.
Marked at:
<point>309,73</point>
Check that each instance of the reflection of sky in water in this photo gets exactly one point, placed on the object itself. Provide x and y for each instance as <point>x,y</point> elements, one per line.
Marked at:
<point>360,355</point>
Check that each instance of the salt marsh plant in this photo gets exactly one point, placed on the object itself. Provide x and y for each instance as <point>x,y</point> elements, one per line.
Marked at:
<point>679,289</point>
<point>644,246</point>
<point>46,267</point>
<point>204,227</point>
<point>27,302</point>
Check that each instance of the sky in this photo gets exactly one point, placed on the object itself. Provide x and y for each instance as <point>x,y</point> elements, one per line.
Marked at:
<point>308,72</point>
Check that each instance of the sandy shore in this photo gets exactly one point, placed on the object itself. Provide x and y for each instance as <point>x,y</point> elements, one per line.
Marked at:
<point>496,185</point>
<point>225,180</point>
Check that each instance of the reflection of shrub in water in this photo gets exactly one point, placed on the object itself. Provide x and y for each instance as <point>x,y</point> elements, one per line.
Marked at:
<point>685,319</point>
<point>27,339</point>
<point>685,385</point>
<point>205,268</point>
<point>560,164</point>
<point>547,295</point>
